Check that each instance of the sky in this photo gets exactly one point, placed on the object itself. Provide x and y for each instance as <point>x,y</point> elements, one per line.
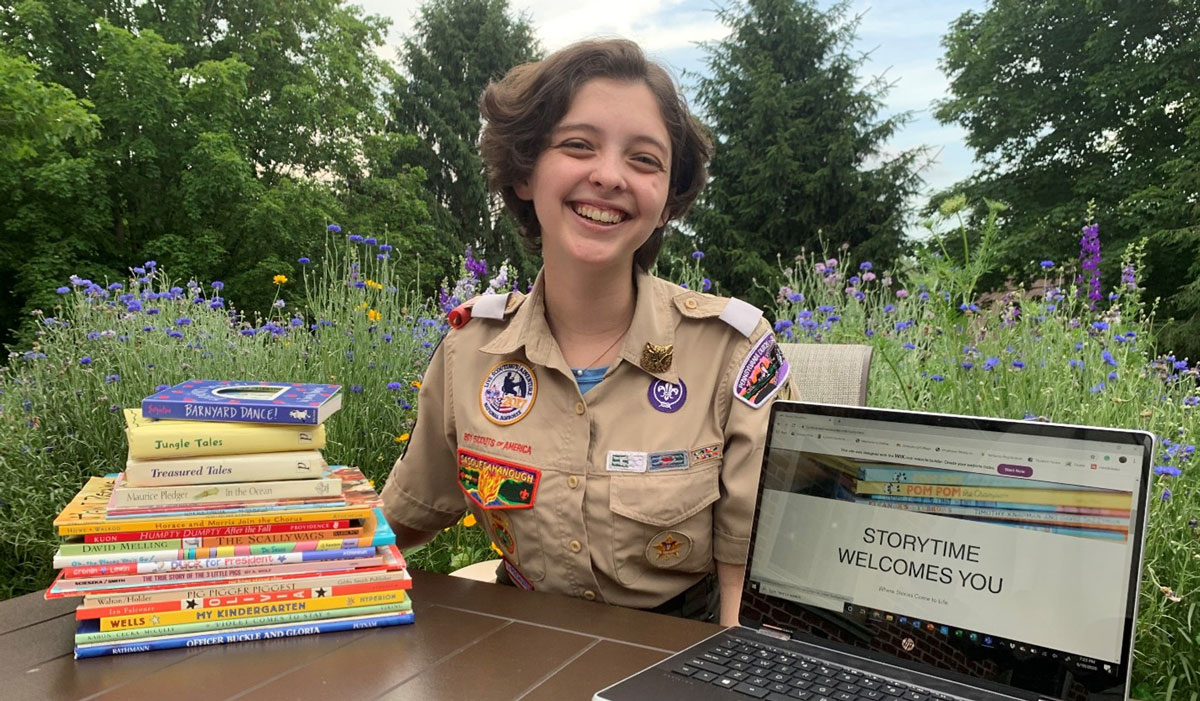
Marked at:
<point>902,40</point>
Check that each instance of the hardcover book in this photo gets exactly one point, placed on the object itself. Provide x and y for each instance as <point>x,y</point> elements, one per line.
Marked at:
<point>247,402</point>
<point>157,439</point>
<point>179,595</point>
<point>129,497</point>
<point>244,467</point>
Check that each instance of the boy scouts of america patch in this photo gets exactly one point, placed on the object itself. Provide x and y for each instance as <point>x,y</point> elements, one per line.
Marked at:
<point>507,393</point>
<point>762,374</point>
<point>496,484</point>
<point>668,549</point>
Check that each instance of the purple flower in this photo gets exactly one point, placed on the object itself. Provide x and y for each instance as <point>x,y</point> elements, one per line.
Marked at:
<point>1108,358</point>
<point>218,285</point>
<point>151,264</point>
<point>967,365</point>
<point>370,240</point>
<point>354,238</point>
<point>796,297</point>
<point>139,270</point>
<point>334,229</point>
<point>1097,389</point>
<point>1100,325</point>
<point>990,363</point>
<point>1191,401</point>
<point>937,378</point>
<point>115,286</point>
<point>394,386</point>
<point>216,303</point>
<point>889,308</point>
<point>109,379</point>
<point>1075,363</point>
<point>901,293</point>
<point>63,290</point>
<point>278,304</point>
<point>1089,256</point>
<point>303,260</point>
<point>387,338</point>
<point>909,346</point>
<point>865,265</point>
<point>381,256</point>
<point>1047,264</point>
<point>357,389</point>
<point>249,332</point>
<point>924,296</point>
<point>782,325</point>
<point>1018,364</point>
<point>386,248</point>
<point>161,388</point>
<point>1112,375</point>
<point>1167,470</point>
<point>697,255</point>
<point>1129,277</point>
<point>706,285</point>
<point>1166,494</point>
<point>85,361</point>
<point>825,309</point>
<point>183,322</point>
<point>174,334</point>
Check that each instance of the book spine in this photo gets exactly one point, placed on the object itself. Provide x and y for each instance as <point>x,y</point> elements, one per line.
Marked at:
<point>226,531</point>
<point>63,586</point>
<point>240,468</point>
<point>92,637</point>
<point>399,579</point>
<point>63,560</point>
<point>218,411</point>
<point>158,440</point>
<point>1053,497</point>
<point>263,633</point>
<point>213,563</point>
<point>249,611</point>
<point>210,542</point>
<point>193,522</point>
<point>225,492</point>
<point>212,602</point>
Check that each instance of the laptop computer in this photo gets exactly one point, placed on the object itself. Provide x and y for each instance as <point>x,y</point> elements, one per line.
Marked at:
<point>922,556</point>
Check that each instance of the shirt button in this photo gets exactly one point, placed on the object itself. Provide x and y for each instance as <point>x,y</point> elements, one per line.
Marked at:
<point>575,546</point>
<point>690,303</point>
<point>580,408</point>
<point>589,595</point>
<point>572,481</point>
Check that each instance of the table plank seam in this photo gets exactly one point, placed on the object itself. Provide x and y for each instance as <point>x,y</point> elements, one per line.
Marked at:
<point>133,679</point>
<point>556,670</point>
<point>293,668</point>
<point>448,655</point>
<point>563,630</point>
<point>37,623</point>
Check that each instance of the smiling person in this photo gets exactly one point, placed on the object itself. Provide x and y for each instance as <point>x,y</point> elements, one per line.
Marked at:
<point>607,428</point>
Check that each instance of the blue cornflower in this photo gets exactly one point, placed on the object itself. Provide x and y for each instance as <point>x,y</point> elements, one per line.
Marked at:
<point>854,280</point>
<point>889,308</point>
<point>796,297</point>
<point>859,295</point>
<point>782,325</point>
<point>1100,325</point>
<point>865,265</point>
<point>360,284</point>
<point>705,285</point>
<point>1191,401</point>
<point>1181,365</point>
<point>303,260</point>
<point>334,229</point>
<point>697,255</point>
<point>217,285</point>
<point>869,333</point>
<point>93,335</point>
<point>183,321</point>
<point>63,290</point>
<point>967,365</point>
<point>909,346</point>
<point>1079,345</point>
<point>354,238</point>
<point>112,378</point>
<point>381,256</point>
<point>1112,375</point>
<point>216,303</point>
<point>387,338</point>
<point>139,270</point>
<point>1108,358</point>
<point>404,404</point>
<point>990,363</point>
<point>1018,364</point>
<point>386,248</point>
<point>924,296</point>
<point>825,309</point>
<point>394,386</point>
<point>1166,494</point>
<point>1097,388</point>
<point>85,360</point>
<point>249,332</point>
<point>371,240</point>
<point>147,328</point>
<point>174,334</point>
<point>835,317</point>
<point>297,321</point>
<point>279,304</point>
<point>357,389</point>
<point>115,286</point>
<point>1047,264</point>
<point>937,378</point>
<point>1075,363</point>
<point>151,264</point>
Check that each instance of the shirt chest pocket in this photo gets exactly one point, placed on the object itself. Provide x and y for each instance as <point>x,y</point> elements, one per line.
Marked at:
<point>663,521</point>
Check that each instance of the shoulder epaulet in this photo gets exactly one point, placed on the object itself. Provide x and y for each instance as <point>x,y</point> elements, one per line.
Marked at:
<point>492,306</point>
<point>740,315</point>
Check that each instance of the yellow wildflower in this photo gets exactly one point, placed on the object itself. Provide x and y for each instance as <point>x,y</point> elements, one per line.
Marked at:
<point>402,438</point>
<point>361,307</point>
<point>280,279</point>
<point>497,550</point>
<point>469,520</point>
<point>374,285</point>
<point>374,315</point>
<point>416,384</point>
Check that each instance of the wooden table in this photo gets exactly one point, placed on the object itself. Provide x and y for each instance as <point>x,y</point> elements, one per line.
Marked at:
<point>471,640</point>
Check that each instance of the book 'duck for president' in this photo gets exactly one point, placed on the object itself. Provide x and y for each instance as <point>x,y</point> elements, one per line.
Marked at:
<point>227,525</point>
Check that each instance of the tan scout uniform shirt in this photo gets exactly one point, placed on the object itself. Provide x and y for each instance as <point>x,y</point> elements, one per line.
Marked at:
<point>633,504</point>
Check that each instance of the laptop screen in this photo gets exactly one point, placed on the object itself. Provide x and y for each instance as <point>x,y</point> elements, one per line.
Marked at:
<point>998,553</point>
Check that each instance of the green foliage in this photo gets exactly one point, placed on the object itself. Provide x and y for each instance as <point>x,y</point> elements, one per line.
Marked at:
<point>1066,102</point>
<point>798,157</point>
<point>457,48</point>
<point>226,132</point>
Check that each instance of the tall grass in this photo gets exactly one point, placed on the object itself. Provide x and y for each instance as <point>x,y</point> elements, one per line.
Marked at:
<point>1056,355</point>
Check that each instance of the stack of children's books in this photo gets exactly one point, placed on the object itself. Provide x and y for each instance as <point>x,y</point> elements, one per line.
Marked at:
<point>226,525</point>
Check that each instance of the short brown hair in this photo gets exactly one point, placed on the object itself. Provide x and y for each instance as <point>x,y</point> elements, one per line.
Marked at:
<point>523,107</point>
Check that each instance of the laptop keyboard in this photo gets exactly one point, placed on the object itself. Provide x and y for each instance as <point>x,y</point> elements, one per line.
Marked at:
<point>761,671</point>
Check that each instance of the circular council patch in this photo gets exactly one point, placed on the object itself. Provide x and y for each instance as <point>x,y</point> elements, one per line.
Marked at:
<point>667,397</point>
<point>503,535</point>
<point>668,548</point>
<point>507,393</point>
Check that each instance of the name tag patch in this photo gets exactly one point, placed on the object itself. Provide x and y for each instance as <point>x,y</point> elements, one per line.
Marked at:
<point>508,392</point>
<point>625,461</point>
<point>668,460</point>
<point>762,374</point>
<point>708,452</point>
<point>497,484</point>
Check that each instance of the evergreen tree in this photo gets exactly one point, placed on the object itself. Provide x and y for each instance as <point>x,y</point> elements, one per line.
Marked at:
<point>798,157</point>
<point>458,47</point>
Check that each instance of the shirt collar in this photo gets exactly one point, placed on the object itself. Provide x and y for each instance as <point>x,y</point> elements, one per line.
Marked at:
<point>653,322</point>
